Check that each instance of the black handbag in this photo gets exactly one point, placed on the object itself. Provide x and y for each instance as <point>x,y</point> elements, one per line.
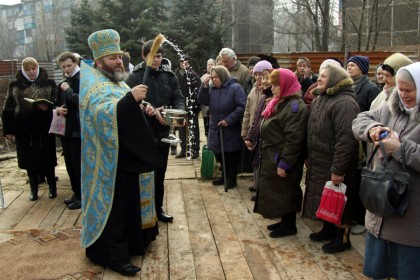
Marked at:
<point>384,192</point>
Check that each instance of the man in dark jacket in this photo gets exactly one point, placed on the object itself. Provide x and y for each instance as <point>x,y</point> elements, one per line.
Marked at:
<point>189,82</point>
<point>68,105</point>
<point>366,91</point>
<point>163,91</point>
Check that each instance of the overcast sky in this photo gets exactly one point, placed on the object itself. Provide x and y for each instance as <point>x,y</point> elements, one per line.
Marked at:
<point>9,2</point>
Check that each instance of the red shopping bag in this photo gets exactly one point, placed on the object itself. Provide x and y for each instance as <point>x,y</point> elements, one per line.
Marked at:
<point>332,203</point>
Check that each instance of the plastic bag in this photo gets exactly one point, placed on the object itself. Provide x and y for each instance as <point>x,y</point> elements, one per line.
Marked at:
<point>332,203</point>
<point>58,124</point>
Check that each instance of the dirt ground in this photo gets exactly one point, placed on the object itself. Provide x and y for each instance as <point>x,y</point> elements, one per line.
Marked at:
<point>11,176</point>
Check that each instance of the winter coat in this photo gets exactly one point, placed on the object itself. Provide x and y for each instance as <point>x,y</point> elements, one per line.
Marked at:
<point>252,101</point>
<point>225,103</point>
<point>189,83</point>
<point>253,135</point>
<point>70,98</point>
<point>308,97</point>
<point>405,230</point>
<point>366,92</point>
<point>332,147</point>
<point>283,140</point>
<point>306,82</point>
<point>35,147</point>
<point>163,90</point>
<point>241,73</point>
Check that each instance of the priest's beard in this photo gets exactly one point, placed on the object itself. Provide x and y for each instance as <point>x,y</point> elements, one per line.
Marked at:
<point>113,74</point>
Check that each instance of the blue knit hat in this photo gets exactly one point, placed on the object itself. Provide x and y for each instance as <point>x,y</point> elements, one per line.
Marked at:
<point>104,42</point>
<point>362,62</point>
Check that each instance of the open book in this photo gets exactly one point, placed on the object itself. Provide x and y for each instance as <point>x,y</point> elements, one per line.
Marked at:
<point>41,101</point>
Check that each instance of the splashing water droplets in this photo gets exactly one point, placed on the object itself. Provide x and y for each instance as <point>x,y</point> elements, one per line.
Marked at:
<point>189,100</point>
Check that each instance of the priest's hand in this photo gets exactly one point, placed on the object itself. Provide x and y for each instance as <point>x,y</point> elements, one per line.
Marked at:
<point>139,92</point>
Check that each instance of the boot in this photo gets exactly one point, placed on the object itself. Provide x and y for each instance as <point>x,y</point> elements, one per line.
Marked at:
<point>286,228</point>
<point>231,173</point>
<point>326,233</point>
<point>340,243</point>
<point>231,183</point>
<point>218,181</point>
<point>274,226</point>
<point>52,184</point>
<point>33,182</point>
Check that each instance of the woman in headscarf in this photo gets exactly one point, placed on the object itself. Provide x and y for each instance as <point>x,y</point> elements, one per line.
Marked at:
<point>282,145</point>
<point>332,152</point>
<point>29,124</point>
<point>226,100</point>
<point>393,243</point>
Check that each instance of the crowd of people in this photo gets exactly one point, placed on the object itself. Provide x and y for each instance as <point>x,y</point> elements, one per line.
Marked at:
<point>280,125</point>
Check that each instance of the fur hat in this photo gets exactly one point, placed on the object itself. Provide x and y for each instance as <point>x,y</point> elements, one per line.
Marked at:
<point>394,62</point>
<point>104,42</point>
<point>335,74</point>
<point>253,60</point>
<point>275,64</point>
<point>186,58</point>
<point>362,62</point>
<point>261,66</point>
<point>329,61</point>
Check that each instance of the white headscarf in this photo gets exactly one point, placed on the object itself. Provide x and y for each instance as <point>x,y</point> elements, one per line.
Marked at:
<point>23,68</point>
<point>414,70</point>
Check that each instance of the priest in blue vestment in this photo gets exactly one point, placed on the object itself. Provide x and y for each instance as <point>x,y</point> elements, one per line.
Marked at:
<point>117,146</point>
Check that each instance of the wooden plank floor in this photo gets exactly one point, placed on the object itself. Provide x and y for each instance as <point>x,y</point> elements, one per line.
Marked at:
<point>215,235</point>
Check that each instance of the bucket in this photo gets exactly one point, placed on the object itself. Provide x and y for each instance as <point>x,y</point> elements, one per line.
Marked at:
<point>208,163</point>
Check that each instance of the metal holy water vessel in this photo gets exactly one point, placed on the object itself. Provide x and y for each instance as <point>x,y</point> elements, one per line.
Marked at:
<point>174,118</point>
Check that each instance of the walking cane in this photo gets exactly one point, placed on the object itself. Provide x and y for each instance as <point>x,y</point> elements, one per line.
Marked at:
<point>223,158</point>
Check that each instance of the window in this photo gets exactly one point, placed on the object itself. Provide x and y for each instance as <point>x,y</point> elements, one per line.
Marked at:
<point>49,8</point>
<point>30,25</point>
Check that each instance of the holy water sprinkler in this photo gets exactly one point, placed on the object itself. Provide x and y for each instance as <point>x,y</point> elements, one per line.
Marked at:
<point>157,42</point>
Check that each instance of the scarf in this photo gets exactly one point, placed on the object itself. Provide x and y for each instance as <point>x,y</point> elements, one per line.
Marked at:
<point>26,76</point>
<point>288,86</point>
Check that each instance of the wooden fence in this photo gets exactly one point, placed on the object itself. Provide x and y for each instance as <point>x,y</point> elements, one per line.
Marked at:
<point>288,60</point>
<point>8,69</point>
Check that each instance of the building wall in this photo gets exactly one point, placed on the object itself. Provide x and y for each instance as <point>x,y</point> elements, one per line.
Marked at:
<point>35,28</point>
<point>399,25</point>
<point>251,25</point>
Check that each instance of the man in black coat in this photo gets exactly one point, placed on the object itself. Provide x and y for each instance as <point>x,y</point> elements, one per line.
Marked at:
<point>163,91</point>
<point>68,105</point>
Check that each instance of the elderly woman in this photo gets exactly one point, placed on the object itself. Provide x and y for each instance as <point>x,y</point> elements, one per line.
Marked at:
<point>204,109</point>
<point>393,244</point>
<point>29,125</point>
<point>389,68</point>
<point>283,133</point>
<point>332,152</point>
<point>226,100</point>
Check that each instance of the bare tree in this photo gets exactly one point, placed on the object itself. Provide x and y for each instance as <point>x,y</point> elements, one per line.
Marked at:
<point>309,22</point>
<point>366,20</point>
<point>7,45</point>
<point>50,33</point>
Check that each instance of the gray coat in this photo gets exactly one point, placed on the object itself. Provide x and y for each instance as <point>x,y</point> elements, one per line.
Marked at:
<point>332,147</point>
<point>405,230</point>
<point>225,103</point>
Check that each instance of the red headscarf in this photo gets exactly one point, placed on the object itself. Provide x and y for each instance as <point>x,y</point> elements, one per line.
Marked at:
<point>288,86</point>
